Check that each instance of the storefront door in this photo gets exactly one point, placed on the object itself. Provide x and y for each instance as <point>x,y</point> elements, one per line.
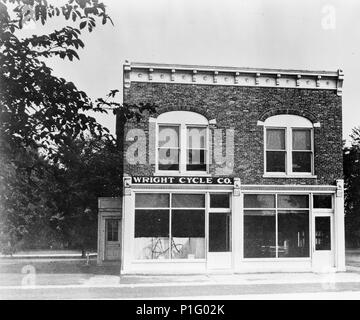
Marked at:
<point>323,251</point>
<point>219,232</point>
<point>112,239</point>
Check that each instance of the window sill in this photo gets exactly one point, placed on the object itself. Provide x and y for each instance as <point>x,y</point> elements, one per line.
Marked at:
<point>290,176</point>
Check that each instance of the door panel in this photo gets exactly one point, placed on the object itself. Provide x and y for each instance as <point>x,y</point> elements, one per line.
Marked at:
<point>112,239</point>
<point>323,253</point>
<point>219,255</point>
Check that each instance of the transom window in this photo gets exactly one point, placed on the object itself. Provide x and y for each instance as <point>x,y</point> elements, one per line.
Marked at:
<point>289,145</point>
<point>182,143</point>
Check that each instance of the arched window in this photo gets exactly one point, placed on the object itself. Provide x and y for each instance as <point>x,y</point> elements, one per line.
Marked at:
<point>289,146</point>
<point>182,143</point>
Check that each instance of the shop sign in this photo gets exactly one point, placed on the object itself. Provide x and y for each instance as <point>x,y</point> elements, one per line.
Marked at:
<point>182,180</point>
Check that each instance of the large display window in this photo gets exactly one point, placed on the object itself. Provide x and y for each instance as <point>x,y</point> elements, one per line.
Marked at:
<point>169,226</point>
<point>276,226</point>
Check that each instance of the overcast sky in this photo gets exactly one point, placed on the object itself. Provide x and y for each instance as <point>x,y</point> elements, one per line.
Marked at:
<point>317,35</point>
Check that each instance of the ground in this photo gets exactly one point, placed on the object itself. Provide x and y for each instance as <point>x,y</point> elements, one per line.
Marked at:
<point>75,278</point>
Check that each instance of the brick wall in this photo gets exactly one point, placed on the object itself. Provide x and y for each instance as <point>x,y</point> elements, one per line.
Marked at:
<point>241,108</point>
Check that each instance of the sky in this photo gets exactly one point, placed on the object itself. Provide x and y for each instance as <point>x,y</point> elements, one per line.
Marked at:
<point>286,34</point>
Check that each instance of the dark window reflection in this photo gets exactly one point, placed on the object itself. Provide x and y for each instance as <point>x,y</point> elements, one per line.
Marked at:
<point>219,200</point>
<point>219,232</point>
<point>293,233</point>
<point>322,233</point>
<point>322,201</point>
<point>259,234</point>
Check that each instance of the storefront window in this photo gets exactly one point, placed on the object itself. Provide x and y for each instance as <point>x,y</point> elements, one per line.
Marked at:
<point>219,200</point>
<point>259,234</point>
<point>188,200</point>
<point>293,233</point>
<point>322,201</point>
<point>151,234</point>
<point>266,220</point>
<point>177,232</point>
<point>188,234</point>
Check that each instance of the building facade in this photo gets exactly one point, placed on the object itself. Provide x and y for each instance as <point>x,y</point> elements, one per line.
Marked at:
<point>238,169</point>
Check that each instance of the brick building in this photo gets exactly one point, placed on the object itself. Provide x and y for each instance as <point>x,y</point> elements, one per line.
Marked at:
<point>239,169</point>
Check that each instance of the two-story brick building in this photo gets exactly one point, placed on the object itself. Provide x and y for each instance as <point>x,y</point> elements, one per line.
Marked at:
<point>240,169</point>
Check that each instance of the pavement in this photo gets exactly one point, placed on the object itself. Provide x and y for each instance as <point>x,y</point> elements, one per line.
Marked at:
<point>74,278</point>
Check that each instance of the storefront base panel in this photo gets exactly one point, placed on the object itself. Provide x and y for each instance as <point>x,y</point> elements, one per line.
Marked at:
<point>244,267</point>
<point>166,268</point>
<point>271,266</point>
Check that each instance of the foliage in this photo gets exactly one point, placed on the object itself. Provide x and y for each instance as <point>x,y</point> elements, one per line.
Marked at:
<point>55,159</point>
<point>352,189</point>
<point>38,109</point>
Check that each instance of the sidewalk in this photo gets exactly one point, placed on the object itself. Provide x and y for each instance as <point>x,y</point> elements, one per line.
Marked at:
<point>47,254</point>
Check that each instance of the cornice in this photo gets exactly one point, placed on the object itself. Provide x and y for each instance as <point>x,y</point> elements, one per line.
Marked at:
<point>232,76</point>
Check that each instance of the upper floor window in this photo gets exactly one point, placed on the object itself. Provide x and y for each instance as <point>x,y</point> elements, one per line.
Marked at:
<point>182,142</point>
<point>289,146</point>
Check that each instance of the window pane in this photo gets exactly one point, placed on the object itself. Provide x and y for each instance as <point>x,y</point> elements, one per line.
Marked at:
<point>188,200</point>
<point>196,138</point>
<point>188,234</point>
<point>293,201</point>
<point>112,230</point>
<point>301,139</point>
<point>168,137</point>
<point>219,200</point>
<point>196,160</point>
<point>293,233</point>
<point>301,161</point>
<point>151,223</point>
<point>275,139</point>
<point>259,201</point>
<point>151,234</point>
<point>168,159</point>
<point>275,161</point>
<point>322,233</point>
<point>152,200</point>
<point>259,236</point>
<point>219,232</point>
<point>322,201</point>
<point>259,212</point>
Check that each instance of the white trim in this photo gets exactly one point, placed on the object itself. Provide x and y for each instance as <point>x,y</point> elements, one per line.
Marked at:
<point>183,120</point>
<point>231,76</point>
<point>289,123</point>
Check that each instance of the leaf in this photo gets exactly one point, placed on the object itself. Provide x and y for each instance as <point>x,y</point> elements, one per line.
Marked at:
<point>82,25</point>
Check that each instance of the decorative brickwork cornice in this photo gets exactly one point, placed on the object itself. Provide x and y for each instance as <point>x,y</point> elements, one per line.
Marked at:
<point>232,76</point>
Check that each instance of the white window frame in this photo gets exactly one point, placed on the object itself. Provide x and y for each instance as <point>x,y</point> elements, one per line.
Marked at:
<point>182,119</point>
<point>289,123</point>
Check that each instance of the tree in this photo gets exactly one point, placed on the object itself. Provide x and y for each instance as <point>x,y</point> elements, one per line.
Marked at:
<point>352,189</point>
<point>55,159</point>
<point>38,109</point>
<point>39,112</point>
